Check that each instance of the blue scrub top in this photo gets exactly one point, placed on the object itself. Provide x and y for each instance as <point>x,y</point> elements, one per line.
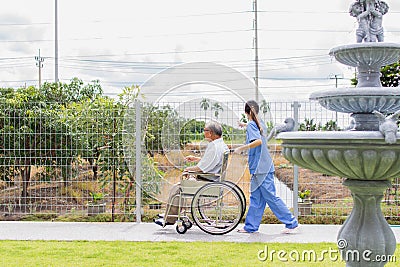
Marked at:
<point>260,161</point>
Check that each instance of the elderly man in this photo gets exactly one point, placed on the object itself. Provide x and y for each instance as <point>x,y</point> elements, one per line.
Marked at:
<point>211,162</point>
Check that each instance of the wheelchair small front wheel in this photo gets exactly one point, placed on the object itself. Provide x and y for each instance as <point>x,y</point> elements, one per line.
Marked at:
<point>188,224</point>
<point>181,229</point>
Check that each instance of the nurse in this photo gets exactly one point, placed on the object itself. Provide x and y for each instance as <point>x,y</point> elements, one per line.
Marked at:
<point>261,168</point>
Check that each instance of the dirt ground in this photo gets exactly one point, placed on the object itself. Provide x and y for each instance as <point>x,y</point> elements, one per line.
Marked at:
<point>323,188</point>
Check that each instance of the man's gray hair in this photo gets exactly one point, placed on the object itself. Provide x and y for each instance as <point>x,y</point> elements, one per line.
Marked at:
<point>215,127</point>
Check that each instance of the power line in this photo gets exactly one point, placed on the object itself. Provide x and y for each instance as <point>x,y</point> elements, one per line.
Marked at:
<point>14,58</point>
<point>163,52</point>
<point>201,15</point>
<point>161,65</point>
<point>307,30</point>
<point>25,24</point>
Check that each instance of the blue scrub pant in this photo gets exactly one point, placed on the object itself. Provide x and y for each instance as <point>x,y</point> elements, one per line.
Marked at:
<point>266,194</point>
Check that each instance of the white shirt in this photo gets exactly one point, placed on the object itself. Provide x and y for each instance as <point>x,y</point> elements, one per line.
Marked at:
<point>211,162</point>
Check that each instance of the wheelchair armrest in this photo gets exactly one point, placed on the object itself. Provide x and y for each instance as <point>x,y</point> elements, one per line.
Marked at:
<point>204,174</point>
<point>201,173</point>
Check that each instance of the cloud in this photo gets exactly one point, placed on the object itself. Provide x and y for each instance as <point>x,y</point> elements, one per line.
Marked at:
<point>17,34</point>
<point>294,38</point>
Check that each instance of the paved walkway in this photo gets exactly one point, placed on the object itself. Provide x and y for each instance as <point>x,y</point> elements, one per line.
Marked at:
<point>67,231</point>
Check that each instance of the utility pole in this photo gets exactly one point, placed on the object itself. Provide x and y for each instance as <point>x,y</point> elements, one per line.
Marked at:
<point>336,77</point>
<point>39,64</point>
<point>255,48</point>
<point>56,43</point>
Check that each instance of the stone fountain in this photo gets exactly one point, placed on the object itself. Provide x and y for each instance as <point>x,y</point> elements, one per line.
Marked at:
<point>368,154</point>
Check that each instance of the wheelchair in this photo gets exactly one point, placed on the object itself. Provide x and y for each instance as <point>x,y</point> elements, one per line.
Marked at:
<point>216,207</point>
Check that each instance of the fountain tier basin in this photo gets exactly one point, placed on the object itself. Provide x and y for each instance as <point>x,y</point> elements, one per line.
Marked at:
<point>351,154</point>
<point>359,100</point>
<point>370,54</point>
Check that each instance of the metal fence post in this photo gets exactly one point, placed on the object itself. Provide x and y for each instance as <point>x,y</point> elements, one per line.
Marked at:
<point>113,169</point>
<point>296,106</point>
<point>138,159</point>
<point>295,190</point>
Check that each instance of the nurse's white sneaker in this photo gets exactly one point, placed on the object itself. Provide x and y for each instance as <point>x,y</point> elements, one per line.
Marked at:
<point>291,231</point>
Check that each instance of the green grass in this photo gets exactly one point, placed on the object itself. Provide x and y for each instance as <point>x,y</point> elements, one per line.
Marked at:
<point>82,253</point>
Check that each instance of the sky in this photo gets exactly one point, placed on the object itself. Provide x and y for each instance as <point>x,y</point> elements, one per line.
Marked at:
<point>125,42</point>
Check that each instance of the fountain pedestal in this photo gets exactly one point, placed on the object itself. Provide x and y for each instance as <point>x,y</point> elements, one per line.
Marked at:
<point>368,156</point>
<point>365,238</point>
<point>369,77</point>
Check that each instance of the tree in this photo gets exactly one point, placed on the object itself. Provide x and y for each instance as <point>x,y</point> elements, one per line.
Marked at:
<point>264,107</point>
<point>390,75</point>
<point>32,133</point>
<point>217,109</point>
<point>205,104</point>
<point>37,129</point>
<point>157,118</point>
<point>59,125</point>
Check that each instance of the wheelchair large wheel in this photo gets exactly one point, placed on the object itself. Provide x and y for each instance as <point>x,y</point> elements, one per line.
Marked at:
<point>217,208</point>
<point>241,194</point>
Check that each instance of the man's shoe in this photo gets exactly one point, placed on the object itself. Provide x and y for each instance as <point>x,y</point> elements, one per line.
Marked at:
<point>160,222</point>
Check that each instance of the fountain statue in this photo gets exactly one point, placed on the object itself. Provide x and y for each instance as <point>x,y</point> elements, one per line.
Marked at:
<point>367,154</point>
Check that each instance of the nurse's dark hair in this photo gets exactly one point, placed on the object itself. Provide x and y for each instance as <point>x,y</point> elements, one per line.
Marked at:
<point>251,107</point>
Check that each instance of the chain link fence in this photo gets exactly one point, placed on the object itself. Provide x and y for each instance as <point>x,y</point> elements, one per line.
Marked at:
<point>108,158</point>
